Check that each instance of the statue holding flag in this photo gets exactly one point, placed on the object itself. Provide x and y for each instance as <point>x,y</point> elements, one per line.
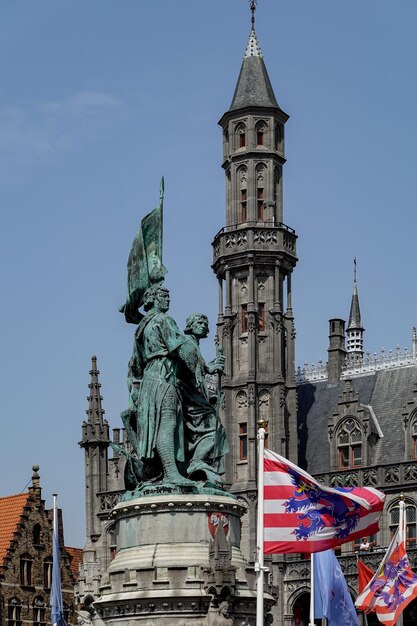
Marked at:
<point>176,437</point>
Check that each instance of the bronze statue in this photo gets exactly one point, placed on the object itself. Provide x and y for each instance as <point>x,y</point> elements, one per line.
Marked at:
<point>177,439</point>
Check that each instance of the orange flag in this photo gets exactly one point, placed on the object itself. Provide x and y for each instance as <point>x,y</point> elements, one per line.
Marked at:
<point>365,575</point>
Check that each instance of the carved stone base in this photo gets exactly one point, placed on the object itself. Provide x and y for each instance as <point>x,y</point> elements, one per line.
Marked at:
<point>178,558</point>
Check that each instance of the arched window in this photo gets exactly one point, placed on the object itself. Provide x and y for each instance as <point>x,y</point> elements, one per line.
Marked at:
<point>39,612</point>
<point>410,521</point>
<point>47,573</point>
<point>26,570</point>
<point>243,195</point>
<point>414,436</point>
<point>260,193</point>
<point>37,535</point>
<point>14,611</point>
<point>349,444</point>
<point>260,130</point>
<point>277,178</point>
<point>240,136</point>
<point>278,138</point>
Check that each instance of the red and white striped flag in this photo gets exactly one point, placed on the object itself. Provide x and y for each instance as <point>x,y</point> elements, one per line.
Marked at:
<point>303,516</point>
<point>393,586</point>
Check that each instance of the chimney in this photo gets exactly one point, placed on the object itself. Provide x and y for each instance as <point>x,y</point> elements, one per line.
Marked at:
<point>336,350</point>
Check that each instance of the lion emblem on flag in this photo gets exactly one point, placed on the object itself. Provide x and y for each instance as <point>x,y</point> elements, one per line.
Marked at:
<point>317,509</point>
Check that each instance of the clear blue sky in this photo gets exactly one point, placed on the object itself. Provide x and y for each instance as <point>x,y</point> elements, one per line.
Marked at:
<point>99,99</point>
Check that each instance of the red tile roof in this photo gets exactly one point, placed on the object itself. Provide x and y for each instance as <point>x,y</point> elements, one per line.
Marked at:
<point>76,557</point>
<point>11,508</point>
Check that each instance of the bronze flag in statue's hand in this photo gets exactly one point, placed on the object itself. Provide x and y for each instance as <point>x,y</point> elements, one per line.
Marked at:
<point>144,266</point>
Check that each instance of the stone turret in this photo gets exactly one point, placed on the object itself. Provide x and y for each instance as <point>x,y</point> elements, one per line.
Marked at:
<point>95,442</point>
<point>254,256</point>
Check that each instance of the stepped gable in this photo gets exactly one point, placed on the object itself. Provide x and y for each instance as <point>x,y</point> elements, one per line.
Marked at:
<point>11,510</point>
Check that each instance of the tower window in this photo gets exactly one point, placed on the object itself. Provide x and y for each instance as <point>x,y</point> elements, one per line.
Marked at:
<point>244,313</point>
<point>278,138</point>
<point>260,134</point>
<point>241,135</point>
<point>261,316</point>
<point>260,203</point>
<point>243,204</point>
<point>349,445</point>
<point>243,441</point>
<point>26,570</point>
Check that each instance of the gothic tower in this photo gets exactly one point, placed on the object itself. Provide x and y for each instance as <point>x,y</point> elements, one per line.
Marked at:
<point>95,441</point>
<point>254,256</point>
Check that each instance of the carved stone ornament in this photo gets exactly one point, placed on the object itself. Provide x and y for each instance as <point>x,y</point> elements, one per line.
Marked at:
<point>241,400</point>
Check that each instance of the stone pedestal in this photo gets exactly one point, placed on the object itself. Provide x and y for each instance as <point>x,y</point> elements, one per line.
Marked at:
<point>178,558</point>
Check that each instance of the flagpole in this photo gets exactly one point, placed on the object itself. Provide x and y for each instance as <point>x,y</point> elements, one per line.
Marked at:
<point>311,620</point>
<point>403,539</point>
<point>259,565</point>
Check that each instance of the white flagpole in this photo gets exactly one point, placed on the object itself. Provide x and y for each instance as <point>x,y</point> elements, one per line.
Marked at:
<point>259,565</point>
<point>403,538</point>
<point>311,621</point>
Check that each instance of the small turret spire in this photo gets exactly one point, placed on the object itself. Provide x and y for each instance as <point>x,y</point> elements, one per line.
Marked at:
<point>354,331</point>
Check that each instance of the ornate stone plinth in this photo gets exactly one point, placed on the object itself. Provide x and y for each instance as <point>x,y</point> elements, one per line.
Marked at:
<point>178,558</point>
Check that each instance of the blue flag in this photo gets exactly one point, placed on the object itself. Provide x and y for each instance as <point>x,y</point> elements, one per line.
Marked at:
<point>57,607</point>
<point>331,595</point>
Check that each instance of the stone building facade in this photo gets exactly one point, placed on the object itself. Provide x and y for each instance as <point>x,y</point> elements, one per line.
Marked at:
<point>352,421</point>
<point>26,560</point>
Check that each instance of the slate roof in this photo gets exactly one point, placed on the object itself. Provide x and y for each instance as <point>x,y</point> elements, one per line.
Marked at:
<point>11,509</point>
<point>386,391</point>
<point>253,87</point>
<point>355,320</point>
<point>76,557</point>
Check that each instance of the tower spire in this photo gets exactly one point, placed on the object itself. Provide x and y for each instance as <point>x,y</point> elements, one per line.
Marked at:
<point>354,332</point>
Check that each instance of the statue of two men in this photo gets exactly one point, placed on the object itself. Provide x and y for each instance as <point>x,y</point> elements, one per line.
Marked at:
<point>173,427</point>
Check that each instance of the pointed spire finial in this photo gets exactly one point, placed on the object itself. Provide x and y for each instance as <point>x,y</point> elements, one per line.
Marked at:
<point>253,9</point>
<point>354,269</point>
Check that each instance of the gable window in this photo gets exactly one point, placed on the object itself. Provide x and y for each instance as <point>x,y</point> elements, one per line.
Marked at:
<point>39,612</point>
<point>349,445</point>
<point>14,613</point>
<point>414,435</point>
<point>36,535</point>
<point>410,521</point>
<point>278,138</point>
<point>243,441</point>
<point>26,570</point>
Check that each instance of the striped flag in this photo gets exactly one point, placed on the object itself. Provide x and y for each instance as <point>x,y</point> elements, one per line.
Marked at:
<point>393,586</point>
<point>303,516</point>
<point>57,608</point>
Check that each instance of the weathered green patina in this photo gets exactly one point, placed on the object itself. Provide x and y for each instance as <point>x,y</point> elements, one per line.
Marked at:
<point>178,442</point>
